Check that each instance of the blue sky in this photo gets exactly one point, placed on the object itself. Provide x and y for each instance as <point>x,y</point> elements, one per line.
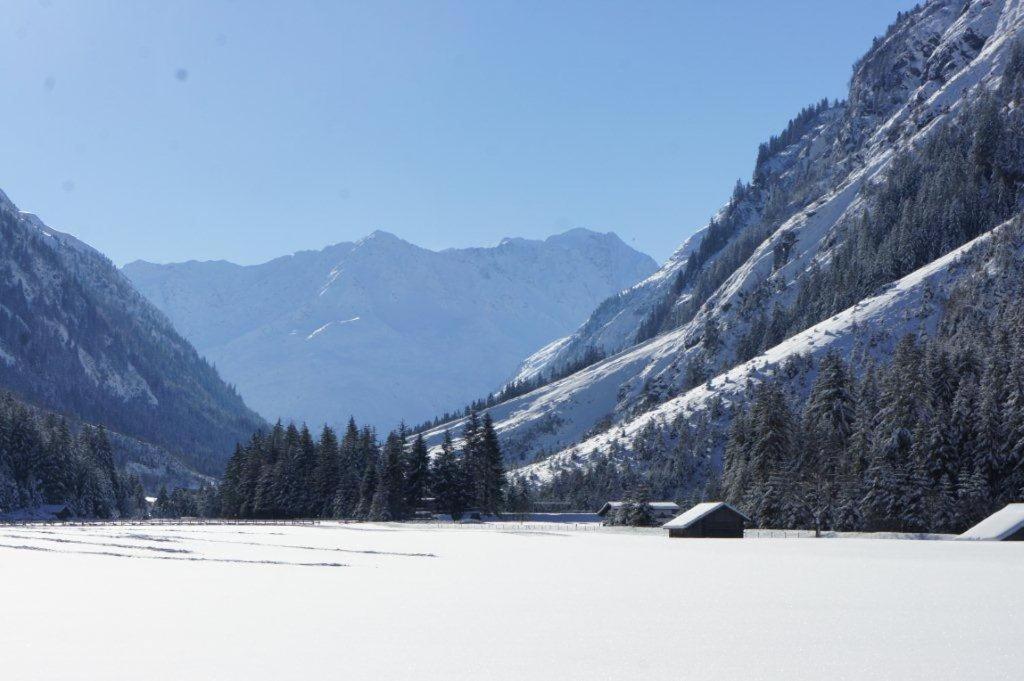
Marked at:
<point>246,130</point>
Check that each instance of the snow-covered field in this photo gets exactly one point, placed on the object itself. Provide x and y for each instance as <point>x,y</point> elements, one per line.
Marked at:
<point>489,602</point>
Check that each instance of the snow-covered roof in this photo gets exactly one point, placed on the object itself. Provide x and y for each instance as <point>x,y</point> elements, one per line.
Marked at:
<point>999,525</point>
<point>653,505</point>
<point>698,512</point>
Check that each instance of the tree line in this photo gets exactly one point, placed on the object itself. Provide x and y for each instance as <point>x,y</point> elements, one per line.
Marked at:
<point>933,441</point>
<point>927,437</point>
<point>43,462</point>
<point>289,473</point>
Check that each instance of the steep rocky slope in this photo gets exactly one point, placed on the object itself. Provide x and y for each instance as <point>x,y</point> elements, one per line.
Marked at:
<point>786,252</point>
<point>76,338</point>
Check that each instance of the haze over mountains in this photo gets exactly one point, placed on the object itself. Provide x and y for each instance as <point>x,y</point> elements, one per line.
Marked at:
<point>381,329</point>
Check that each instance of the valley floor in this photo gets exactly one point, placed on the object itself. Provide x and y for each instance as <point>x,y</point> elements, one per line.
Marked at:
<point>499,602</point>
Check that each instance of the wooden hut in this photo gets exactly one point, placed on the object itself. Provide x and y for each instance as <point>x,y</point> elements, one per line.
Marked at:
<point>709,519</point>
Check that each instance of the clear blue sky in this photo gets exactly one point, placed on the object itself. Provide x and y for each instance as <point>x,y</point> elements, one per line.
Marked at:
<point>245,130</point>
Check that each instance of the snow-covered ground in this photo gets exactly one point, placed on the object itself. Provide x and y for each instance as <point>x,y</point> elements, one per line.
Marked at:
<point>482,602</point>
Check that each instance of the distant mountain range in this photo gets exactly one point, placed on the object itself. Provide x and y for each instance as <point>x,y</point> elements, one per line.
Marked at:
<point>77,339</point>
<point>381,329</point>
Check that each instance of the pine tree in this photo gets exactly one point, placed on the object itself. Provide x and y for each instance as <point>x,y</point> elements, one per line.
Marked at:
<point>447,479</point>
<point>636,509</point>
<point>162,505</point>
<point>327,474</point>
<point>368,486</point>
<point>829,416</point>
<point>302,470</point>
<point>417,473</point>
<point>943,513</point>
<point>974,495</point>
<point>352,457</point>
<point>862,442</point>
<point>772,422</point>
<point>474,468</point>
<point>491,467</point>
<point>880,507</point>
<point>914,483</point>
<point>735,475</point>
<point>990,440</point>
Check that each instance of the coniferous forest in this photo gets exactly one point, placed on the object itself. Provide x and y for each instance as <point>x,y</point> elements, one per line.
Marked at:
<point>43,462</point>
<point>931,439</point>
<point>289,473</point>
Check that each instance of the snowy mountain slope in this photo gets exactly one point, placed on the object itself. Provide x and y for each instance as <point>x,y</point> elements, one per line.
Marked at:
<point>869,329</point>
<point>76,338</point>
<point>813,185</point>
<point>382,329</point>
<point>613,325</point>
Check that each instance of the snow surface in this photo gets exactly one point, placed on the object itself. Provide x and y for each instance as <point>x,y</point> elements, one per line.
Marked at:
<point>999,525</point>
<point>499,602</point>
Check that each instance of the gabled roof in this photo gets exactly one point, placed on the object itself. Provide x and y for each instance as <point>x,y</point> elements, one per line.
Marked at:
<point>999,525</point>
<point>653,505</point>
<point>698,512</point>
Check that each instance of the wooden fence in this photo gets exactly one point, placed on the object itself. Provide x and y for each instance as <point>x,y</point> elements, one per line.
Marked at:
<point>160,521</point>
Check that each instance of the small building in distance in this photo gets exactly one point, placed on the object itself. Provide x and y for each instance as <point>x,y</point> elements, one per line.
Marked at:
<point>1004,525</point>
<point>60,511</point>
<point>709,519</point>
<point>660,510</point>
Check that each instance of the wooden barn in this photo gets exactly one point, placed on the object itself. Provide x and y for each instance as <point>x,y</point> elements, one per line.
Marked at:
<point>710,519</point>
<point>1004,525</point>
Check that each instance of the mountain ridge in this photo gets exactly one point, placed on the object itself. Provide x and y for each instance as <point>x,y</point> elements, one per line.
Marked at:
<point>379,316</point>
<point>76,338</point>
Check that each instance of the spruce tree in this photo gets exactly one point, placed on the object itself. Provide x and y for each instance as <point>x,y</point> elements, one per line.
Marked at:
<point>447,479</point>
<point>368,486</point>
<point>327,474</point>
<point>352,464</point>
<point>417,474</point>
<point>492,467</point>
<point>474,470</point>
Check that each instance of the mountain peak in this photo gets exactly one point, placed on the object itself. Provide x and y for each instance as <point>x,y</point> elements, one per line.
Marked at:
<point>380,235</point>
<point>415,306</point>
<point>580,235</point>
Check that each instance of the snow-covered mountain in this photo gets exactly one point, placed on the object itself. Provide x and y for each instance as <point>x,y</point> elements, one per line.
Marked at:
<point>76,338</point>
<point>819,229</point>
<point>382,329</point>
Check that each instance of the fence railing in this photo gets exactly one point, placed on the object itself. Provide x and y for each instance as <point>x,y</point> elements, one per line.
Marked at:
<point>160,521</point>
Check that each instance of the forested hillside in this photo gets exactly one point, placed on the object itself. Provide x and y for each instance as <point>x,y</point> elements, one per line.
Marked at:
<point>855,230</point>
<point>927,437</point>
<point>76,338</point>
